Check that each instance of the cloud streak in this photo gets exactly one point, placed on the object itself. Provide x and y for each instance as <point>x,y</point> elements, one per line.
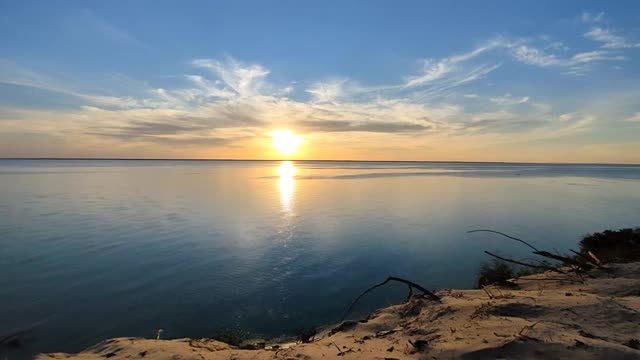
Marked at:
<point>237,101</point>
<point>610,40</point>
<point>588,17</point>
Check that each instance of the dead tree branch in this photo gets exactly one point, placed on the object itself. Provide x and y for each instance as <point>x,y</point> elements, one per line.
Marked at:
<point>507,236</point>
<point>543,267</point>
<point>410,284</point>
<point>565,260</point>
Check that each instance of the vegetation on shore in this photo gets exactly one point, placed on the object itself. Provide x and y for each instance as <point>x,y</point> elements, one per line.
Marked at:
<point>619,246</point>
<point>609,246</point>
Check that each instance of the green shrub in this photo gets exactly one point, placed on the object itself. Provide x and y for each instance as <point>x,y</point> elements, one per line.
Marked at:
<point>496,272</point>
<point>613,245</point>
<point>231,335</point>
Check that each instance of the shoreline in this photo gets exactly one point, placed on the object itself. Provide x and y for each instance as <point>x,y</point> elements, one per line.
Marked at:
<point>544,316</point>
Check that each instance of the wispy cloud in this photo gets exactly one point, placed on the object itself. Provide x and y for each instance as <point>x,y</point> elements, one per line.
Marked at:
<point>237,100</point>
<point>244,80</point>
<point>328,91</point>
<point>579,63</point>
<point>87,20</point>
<point>231,101</point>
<point>367,126</point>
<point>588,17</point>
<point>532,56</point>
<point>509,100</point>
<point>520,50</point>
<point>567,116</point>
<point>11,73</point>
<point>634,118</point>
<point>610,40</point>
<point>557,46</point>
<point>433,70</point>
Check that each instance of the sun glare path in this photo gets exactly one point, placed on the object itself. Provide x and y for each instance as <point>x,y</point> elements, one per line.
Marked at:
<point>285,142</point>
<point>287,172</point>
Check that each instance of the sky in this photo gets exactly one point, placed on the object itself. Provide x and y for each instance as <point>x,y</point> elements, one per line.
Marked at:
<point>534,81</point>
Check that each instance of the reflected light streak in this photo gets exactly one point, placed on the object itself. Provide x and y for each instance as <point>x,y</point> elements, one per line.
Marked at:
<point>287,172</point>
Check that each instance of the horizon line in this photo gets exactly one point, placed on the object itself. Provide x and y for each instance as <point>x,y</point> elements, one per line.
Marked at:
<point>314,160</point>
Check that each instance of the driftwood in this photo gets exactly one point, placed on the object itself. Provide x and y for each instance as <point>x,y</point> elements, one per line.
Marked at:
<point>410,284</point>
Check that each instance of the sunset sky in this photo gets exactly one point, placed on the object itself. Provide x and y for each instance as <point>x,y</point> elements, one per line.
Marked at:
<point>542,81</point>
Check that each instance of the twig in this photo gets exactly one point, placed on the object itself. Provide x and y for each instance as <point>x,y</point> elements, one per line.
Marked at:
<point>527,327</point>
<point>563,259</point>
<point>505,235</point>
<point>567,279</point>
<point>489,294</point>
<point>594,257</point>
<point>589,259</point>
<point>566,260</point>
<point>525,264</point>
<point>410,294</point>
<point>549,279</point>
<point>411,284</point>
<point>539,262</point>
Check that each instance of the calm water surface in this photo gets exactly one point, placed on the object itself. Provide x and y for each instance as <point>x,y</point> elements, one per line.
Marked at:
<point>98,249</point>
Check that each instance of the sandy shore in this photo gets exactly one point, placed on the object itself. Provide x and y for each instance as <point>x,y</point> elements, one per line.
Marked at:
<point>544,318</point>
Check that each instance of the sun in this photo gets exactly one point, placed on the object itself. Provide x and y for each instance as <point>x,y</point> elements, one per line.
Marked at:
<point>285,142</point>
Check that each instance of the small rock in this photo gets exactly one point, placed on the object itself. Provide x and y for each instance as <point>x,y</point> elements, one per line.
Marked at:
<point>390,349</point>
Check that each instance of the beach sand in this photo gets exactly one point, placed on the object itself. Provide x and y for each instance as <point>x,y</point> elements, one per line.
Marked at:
<point>544,318</point>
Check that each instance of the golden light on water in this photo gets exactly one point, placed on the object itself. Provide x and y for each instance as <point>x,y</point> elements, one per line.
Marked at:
<point>286,183</point>
<point>286,170</point>
<point>285,142</point>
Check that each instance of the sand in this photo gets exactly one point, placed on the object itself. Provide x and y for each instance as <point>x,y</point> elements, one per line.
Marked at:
<point>544,318</point>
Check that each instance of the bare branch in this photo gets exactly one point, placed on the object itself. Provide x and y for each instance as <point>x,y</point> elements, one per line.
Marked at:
<point>525,264</point>
<point>411,284</point>
<point>505,235</point>
<point>589,259</point>
<point>565,260</point>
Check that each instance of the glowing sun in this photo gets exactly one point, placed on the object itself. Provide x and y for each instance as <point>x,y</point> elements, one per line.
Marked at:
<point>285,142</point>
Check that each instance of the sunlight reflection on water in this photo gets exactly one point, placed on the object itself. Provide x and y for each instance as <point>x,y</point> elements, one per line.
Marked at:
<point>286,184</point>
